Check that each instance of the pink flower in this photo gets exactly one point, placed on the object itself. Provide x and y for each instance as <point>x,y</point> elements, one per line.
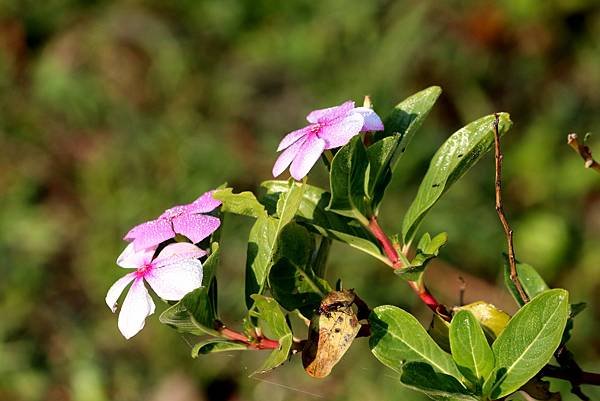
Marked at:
<point>175,272</point>
<point>329,128</point>
<point>187,220</point>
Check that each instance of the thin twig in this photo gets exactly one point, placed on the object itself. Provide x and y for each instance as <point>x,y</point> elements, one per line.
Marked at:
<point>500,210</point>
<point>584,151</point>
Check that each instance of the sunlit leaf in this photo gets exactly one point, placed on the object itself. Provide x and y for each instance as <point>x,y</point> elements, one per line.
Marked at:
<point>528,342</point>
<point>470,349</point>
<point>390,145</point>
<point>243,203</point>
<point>491,319</point>
<point>397,338</point>
<point>451,161</point>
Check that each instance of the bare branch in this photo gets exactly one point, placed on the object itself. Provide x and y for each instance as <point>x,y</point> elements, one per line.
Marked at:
<point>500,210</point>
<point>584,151</point>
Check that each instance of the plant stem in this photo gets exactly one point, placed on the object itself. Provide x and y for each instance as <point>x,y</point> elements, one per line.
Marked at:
<point>584,151</point>
<point>388,247</point>
<point>500,210</point>
<point>252,343</point>
<point>396,263</point>
<point>572,372</point>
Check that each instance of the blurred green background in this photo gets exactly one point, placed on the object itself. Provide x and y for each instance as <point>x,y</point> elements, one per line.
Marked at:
<point>111,112</point>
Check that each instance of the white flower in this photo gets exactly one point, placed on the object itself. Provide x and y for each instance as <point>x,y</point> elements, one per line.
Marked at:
<point>172,274</point>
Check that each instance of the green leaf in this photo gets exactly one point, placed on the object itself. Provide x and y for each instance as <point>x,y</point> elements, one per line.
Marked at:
<point>197,311</point>
<point>275,325</point>
<point>530,279</point>
<point>312,213</point>
<point>293,282</point>
<point>470,349</point>
<point>410,273</point>
<point>380,172</point>
<point>528,342</point>
<point>244,203</point>
<point>262,241</point>
<point>216,345</point>
<point>259,255</point>
<point>422,377</point>
<point>439,330</point>
<point>491,319</point>
<point>397,338</point>
<point>348,175</point>
<point>427,249</point>
<point>400,127</point>
<point>451,161</point>
<point>289,204</point>
<point>408,115</point>
<point>178,317</point>
<point>201,303</point>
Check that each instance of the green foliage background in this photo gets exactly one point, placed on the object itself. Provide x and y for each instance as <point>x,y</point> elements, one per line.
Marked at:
<point>112,111</point>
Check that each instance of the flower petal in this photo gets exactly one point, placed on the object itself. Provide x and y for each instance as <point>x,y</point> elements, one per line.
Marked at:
<point>307,157</point>
<point>195,226</point>
<point>372,120</point>
<point>174,253</point>
<point>132,259</point>
<point>137,306</point>
<point>204,204</point>
<point>114,292</point>
<point>150,233</point>
<point>330,113</point>
<point>340,133</point>
<point>294,136</point>
<point>286,157</point>
<point>172,282</point>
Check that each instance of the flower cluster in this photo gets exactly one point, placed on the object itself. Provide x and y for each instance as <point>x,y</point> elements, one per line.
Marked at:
<point>171,274</point>
<point>177,270</point>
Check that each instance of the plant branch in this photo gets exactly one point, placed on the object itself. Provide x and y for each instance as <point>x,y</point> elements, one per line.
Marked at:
<point>584,151</point>
<point>396,263</point>
<point>500,210</point>
<point>571,371</point>
<point>574,377</point>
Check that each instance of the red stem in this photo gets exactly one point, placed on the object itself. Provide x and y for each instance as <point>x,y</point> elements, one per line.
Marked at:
<point>392,254</point>
<point>267,343</point>
<point>234,335</point>
<point>253,343</point>
<point>388,247</point>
